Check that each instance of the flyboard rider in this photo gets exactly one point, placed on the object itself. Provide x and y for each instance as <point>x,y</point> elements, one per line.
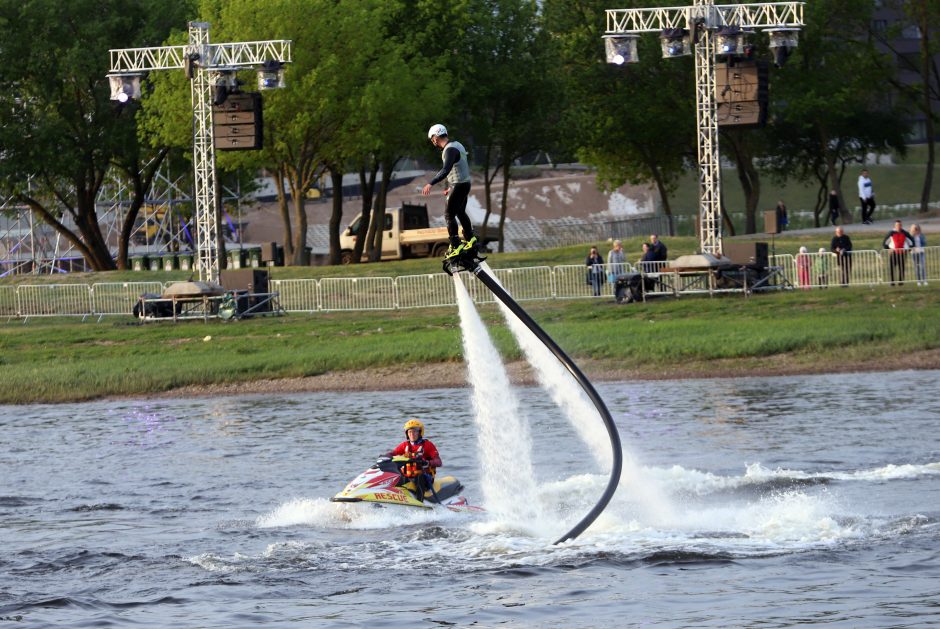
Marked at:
<point>425,457</point>
<point>457,172</point>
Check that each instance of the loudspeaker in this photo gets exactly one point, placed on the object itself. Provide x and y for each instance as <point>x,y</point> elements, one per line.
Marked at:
<point>745,113</point>
<point>747,253</point>
<point>269,252</point>
<point>251,280</point>
<point>237,124</point>
<point>770,222</point>
<point>742,93</point>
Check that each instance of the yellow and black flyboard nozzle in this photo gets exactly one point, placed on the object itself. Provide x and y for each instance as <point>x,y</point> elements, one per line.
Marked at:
<point>464,261</point>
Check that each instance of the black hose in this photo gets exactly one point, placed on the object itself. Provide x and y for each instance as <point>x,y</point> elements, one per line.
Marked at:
<point>617,463</point>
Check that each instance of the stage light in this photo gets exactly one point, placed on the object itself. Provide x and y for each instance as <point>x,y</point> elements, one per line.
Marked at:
<point>675,42</point>
<point>271,75</point>
<point>124,87</point>
<point>782,43</point>
<point>621,49</point>
<point>729,40</point>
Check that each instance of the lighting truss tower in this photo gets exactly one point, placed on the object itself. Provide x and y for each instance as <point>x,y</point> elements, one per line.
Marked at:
<point>207,65</point>
<point>701,22</point>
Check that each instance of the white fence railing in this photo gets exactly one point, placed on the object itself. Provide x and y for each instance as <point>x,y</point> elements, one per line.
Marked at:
<point>577,281</point>
<point>860,268</point>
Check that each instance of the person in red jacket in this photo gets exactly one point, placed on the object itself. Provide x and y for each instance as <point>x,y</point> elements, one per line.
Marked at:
<point>898,241</point>
<point>423,452</point>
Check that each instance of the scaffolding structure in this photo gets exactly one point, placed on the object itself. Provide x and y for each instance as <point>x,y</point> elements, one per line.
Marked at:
<point>702,20</point>
<point>209,66</point>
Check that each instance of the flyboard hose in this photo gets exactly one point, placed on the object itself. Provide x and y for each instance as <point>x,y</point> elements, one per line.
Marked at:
<point>471,263</point>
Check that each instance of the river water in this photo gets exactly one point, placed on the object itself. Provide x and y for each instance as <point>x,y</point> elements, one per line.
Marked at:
<point>744,502</point>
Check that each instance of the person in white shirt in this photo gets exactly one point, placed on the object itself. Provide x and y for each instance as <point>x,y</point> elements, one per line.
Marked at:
<point>866,196</point>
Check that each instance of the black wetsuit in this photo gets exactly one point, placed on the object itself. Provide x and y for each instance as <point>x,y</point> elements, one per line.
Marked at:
<point>457,172</point>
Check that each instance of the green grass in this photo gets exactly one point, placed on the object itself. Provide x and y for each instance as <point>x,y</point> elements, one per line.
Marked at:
<point>56,360</point>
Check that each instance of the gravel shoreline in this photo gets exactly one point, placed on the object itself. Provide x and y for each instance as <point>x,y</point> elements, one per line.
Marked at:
<point>453,374</point>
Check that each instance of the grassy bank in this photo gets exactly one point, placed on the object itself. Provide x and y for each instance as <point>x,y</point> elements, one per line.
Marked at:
<point>818,331</point>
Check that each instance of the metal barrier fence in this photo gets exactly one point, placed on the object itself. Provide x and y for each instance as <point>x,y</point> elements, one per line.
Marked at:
<point>862,268</point>
<point>811,270</point>
<point>8,301</point>
<point>525,284</point>
<point>297,295</point>
<point>53,300</point>
<point>357,293</point>
<point>120,298</point>
<point>425,291</point>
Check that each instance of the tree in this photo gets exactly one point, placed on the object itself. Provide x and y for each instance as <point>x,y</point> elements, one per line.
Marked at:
<point>408,85</point>
<point>307,123</point>
<point>513,96</point>
<point>57,124</point>
<point>924,91</point>
<point>826,113</point>
<point>634,123</point>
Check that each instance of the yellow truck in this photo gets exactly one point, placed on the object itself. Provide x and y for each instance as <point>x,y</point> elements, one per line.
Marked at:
<point>407,235</point>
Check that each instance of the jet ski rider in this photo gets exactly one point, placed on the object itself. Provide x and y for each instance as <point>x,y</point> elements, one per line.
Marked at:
<point>425,455</point>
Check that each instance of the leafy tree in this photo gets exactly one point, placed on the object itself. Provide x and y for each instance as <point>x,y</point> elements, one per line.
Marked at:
<point>513,94</point>
<point>634,123</point>
<point>58,128</point>
<point>924,92</point>
<point>409,83</point>
<point>827,113</point>
<point>307,123</point>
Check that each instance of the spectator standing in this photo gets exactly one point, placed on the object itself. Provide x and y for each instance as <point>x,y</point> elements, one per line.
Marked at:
<point>647,263</point>
<point>866,195</point>
<point>841,245</point>
<point>595,272</point>
<point>615,262</point>
<point>821,268</point>
<point>658,248</point>
<point>920,262</point>
<point>782,219</point>
<point>898,242</point>
<point>833,206</point>
<point>803,266</point>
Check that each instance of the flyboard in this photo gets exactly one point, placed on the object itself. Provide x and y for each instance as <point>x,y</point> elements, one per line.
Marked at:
<point>470,261</point>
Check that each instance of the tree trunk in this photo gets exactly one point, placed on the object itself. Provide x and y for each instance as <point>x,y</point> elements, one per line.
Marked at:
<point>40,210</point>
<point>488,177</point>
<point>660,181</point>
<point>502,205</point>
<point>926,60</point>
<point>301,257</point>
<point>748,177</point>
<point>142,180</point>
<point>277,176</point>
<point>378,211</point>
<point>86,220</point>
<point>336,216</point>
<point>367,185</point>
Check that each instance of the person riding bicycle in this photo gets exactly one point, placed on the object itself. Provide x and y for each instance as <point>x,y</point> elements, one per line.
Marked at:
<point>424,454</point>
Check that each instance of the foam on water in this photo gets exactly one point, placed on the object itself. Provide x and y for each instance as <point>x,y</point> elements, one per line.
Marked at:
<point>585,420</point>
<point>322,513</point>
<point>504,441</point>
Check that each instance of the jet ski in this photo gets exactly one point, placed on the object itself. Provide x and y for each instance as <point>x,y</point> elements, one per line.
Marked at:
<point>384,484</point>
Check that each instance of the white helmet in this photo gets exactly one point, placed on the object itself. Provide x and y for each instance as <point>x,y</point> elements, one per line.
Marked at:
<point>437,129</point>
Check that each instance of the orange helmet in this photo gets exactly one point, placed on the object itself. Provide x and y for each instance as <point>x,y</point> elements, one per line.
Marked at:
<point>414,423</point>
